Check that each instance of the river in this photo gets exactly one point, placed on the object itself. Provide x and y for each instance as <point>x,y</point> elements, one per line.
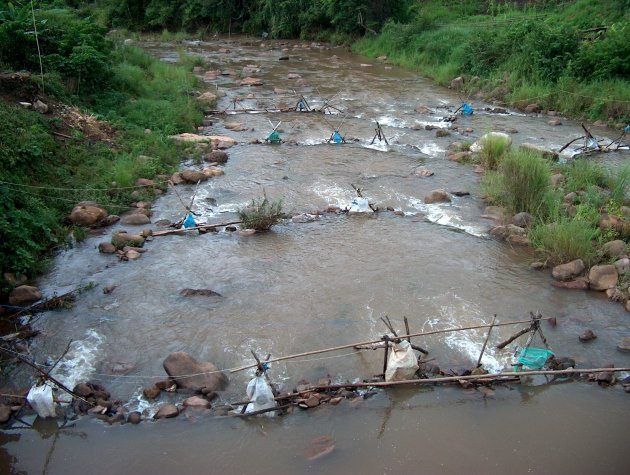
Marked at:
<point>306,286</point>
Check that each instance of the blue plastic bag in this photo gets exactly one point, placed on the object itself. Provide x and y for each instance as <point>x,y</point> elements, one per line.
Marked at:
<point>467,109</point>
<point>189,222</point>
<point>337,138</point>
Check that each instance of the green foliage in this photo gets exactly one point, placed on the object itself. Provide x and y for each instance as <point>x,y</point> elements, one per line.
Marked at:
<point>566,240</point>
<point>582,174</point>
<point>74,47</point>
<point>526,179</point>
<point>619,184</point>
<point>569,57</point>
<point>261,215</point>
<point>493,150</point>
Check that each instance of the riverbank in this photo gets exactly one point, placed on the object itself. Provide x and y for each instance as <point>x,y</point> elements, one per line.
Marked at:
<point>570,58</point>
<point>85,131</point>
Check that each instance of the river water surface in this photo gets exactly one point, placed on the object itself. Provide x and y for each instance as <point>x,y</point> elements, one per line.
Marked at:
<point>305,286</point>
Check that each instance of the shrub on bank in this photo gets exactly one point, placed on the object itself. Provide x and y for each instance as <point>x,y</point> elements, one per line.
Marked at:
<point>566,240</point>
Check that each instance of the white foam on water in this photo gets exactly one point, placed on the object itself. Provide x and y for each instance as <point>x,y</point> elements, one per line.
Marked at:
<point>467,343</point>
<point>438,125</point>
<point>431,148</point>
<point>445,214</point>
<point>333,194</point>
<point>79,363</point>
<point>137,402</point>
<point>392,122</point>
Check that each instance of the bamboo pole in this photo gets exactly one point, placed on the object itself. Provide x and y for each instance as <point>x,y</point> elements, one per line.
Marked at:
<point>371,342</point>
<point>480,378</point>
<point>484,378</point>
<point>483,348</point>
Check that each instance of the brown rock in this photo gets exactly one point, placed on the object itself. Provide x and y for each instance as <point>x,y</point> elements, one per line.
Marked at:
<point>207,98</point>
<point>108,289</point>
<point>166,411</point>
<point>615,248</point>
<point>532,109</point>
<point>588,335</point>
<point>199,293</point>
<point>518,240</point>
<point>569,270</point>
<point>5,413</point>
<point>603,277</point>
<point>87,214</point>
<point>24,294</point>
<point>251,81</point>
<point>457,83</point>
<point>144,182</point>
<point>624,345</point>
<point>196,401</point>
<point>193,176</point>
<point>423,109</point>
<point>581,283</point>
<point>522,220</point>
<point>132,255</point>
<point>319,447</point>
<point>218,156</point>
<point>151,392</point>
<point>135,219</point>
<point>207,375</point>
<point>554,122</point>
<point>177,179</point>
<point>134,417</point>
<point>557,180</point>
<point>437,196</point>
<point>458,156</point>
<point>106,248</point>
<point>312,401</point>
<point>123,238</point>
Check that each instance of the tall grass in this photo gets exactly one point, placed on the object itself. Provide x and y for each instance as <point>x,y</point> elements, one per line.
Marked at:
<point>494,147</point>
<point>566,240</point>
<point>526,180</point>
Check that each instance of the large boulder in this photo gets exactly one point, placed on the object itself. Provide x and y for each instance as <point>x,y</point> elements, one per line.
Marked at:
<point>207,98</point>
<point>135,218</point>
<point>166,411</point>
<point>87,214</point>
<point>24,294</point>
<point>568,271</point>
<point>522,219</point>
<point>193,176</point>
<point>603,277</point>
<point>188,373</point>
<point>478,146</point>
<point>218,156</point>
<point>437,196</point>
<point>544,151</point>
<point>250,81</point>
<point>508,232</point>
<point>123,238</point>
<point>616,248</point>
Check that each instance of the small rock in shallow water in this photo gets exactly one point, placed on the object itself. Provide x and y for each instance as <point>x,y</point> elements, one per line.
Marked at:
<point>319,447</point>
<point>588,335</point>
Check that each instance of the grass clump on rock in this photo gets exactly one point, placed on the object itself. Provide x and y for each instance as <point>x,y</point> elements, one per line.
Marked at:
<point>262,214</point>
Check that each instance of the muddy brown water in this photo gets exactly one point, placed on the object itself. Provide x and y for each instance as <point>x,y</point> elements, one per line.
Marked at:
<point>325,283</point>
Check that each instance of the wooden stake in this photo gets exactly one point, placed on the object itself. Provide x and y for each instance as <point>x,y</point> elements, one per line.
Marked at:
<point>483,348</point>
<point>505,343</point>
<point>386,340</point>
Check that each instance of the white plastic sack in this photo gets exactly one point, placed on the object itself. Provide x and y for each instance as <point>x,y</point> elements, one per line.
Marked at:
<point>259,391</point>
<point>41,400</point>
<point>360,205</point>
<point>402,363</point>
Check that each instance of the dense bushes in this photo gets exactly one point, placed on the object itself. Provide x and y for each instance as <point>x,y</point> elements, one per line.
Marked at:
<point>75,48</point>
<point>48,163</point>
<point>285,18</point>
